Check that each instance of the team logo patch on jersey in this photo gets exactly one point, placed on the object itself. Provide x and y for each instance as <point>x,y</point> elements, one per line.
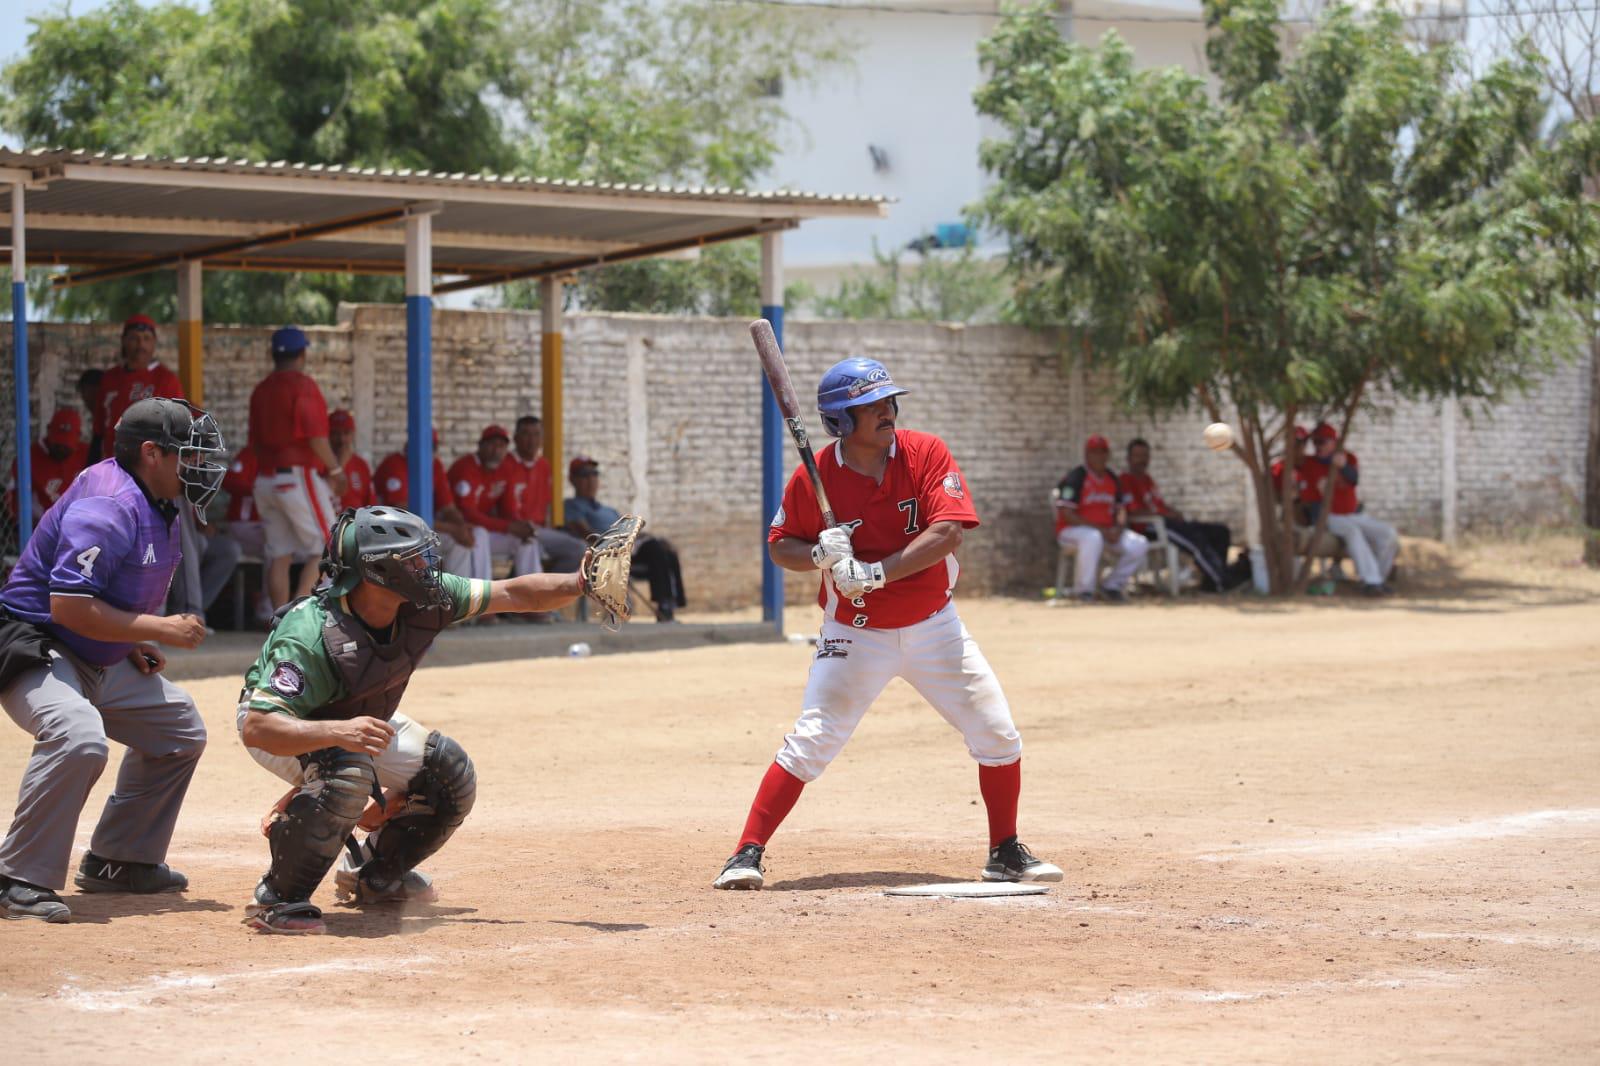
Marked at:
<point>288,679</point>
<point>780,518</point>
<point>149,555</point>
<point>952,485</point>
<point>833,648</point>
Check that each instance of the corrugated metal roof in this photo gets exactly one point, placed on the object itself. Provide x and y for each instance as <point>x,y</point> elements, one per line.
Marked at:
<point>103,210</point>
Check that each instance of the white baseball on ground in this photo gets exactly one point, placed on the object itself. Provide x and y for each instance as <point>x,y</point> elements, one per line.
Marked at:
<point>1219,436</point>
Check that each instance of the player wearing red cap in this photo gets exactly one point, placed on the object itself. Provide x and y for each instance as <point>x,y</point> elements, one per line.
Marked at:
<point>478,481</point>
<point>357,474</point>
<point>529,493</point>
<point>56,460</point>
<point>1092,513</point>
<point>461,551</point>
<point>888,572</point>
<point>289,432</point>
<point>138,376</point>
<point>1372,545</point>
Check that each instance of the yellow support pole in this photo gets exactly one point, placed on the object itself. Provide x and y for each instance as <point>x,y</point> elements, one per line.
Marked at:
<point>550,345</point>
<point>191,345</point>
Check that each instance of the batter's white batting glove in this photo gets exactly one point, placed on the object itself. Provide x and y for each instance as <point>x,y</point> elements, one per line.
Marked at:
<point>832,545</point>
<point>853,578</point>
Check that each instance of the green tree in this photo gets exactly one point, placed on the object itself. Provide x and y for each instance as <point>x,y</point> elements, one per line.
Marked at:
<point>1355,215</point>
<point>614,90</point>
<point>685,93</point>
<point>939,286</point>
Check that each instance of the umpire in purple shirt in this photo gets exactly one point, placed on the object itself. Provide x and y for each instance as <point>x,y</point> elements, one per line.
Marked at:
<point>79,664</point>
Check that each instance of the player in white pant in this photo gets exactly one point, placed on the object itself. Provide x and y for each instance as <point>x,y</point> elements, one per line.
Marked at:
<point>1092,513</point>
<point>888,570</point>
<point>1372,545</point>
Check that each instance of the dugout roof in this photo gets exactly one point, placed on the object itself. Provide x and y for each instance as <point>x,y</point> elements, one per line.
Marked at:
<point>106,215</point>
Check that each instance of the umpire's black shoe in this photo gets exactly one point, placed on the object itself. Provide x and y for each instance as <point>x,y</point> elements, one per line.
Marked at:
<point>113,875</point>
<point>1010,860</point>
<point>743,870</point>
<point>19,899</point>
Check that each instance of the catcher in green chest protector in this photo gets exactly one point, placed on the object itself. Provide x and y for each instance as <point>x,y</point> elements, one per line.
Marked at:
<point>319,709</point>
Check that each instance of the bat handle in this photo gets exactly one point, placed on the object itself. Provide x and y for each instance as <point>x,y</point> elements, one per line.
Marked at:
<point>827,519</point>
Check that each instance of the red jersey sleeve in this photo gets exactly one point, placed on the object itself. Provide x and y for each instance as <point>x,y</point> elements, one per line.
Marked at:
<point>389,483</point>
<point>442,496</point>
<point>798,516</point>
<point>942,487</point>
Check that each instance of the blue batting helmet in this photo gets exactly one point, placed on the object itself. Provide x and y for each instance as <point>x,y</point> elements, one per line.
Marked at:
<point>851,383</point>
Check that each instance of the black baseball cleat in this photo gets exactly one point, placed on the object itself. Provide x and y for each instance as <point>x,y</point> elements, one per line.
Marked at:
<point>1010,860</point>
<point>19,899</point>
<point>743,870</point>
<point>113,875</point>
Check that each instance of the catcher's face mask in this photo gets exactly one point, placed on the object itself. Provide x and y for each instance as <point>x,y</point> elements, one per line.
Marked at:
<point>413,573</point>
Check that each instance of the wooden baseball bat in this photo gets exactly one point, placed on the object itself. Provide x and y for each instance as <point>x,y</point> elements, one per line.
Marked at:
<point>778,377</point>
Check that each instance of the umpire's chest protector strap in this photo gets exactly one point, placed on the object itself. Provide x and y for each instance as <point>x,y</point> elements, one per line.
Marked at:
<point>374,672</point>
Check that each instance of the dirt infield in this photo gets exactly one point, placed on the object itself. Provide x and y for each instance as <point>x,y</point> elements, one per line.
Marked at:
<point>1336,832</point>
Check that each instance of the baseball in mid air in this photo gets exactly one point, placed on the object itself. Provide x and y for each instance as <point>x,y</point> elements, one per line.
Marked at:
<point>1219,436</point>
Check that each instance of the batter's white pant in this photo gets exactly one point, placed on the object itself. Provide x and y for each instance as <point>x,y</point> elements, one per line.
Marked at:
<point>297,511</point>
<point>524,554</point>
<point>1372,545</point>
<point>938,657</point>
<point>463,561</point>
<point>1131,550</point>
<point>396,765</point>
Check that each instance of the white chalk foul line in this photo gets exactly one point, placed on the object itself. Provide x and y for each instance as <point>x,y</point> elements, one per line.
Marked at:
<point>1142,1000</point>
<point>1418,836</point>
<point>131,997</point>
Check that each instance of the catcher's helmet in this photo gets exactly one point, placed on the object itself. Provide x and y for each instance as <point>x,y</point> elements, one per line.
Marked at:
<point>389,547</point>
<point>177,426</point>
<point>851,383</point>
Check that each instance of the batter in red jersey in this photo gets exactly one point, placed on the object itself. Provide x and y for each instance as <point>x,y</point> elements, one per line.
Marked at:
<point>888,570</point>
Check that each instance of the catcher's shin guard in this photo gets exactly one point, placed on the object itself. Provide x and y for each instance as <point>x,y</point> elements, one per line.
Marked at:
<point>306,839</point>
<point>438,800</point>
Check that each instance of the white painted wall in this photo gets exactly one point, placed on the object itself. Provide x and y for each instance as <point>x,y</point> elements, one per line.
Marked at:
<point>910,94</point>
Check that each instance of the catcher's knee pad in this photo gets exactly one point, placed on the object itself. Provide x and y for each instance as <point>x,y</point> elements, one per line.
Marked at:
<point>438,800</point>
<point>306,840</point>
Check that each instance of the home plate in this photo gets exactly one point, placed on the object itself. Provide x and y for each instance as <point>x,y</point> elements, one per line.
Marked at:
<point>970,889</point>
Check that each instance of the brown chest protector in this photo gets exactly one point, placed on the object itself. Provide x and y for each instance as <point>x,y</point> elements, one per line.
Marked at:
<point>375,673</point>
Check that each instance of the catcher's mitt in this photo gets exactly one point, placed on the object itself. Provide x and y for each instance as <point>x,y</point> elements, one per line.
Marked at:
<point>604,571</point>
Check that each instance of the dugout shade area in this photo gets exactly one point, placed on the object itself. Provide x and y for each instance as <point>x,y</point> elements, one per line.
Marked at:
<point>103,216</point>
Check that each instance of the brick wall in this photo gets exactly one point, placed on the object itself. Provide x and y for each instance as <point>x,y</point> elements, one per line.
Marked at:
<point>670,408</point>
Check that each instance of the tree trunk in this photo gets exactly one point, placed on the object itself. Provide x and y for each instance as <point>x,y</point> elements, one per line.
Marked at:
<point>1591,492</point>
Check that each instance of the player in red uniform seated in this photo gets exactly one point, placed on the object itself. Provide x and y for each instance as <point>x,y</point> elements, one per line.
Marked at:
<point>529,492</point>
<point>1092,513</point>
<point>357,474</point>
<point>461,550</point>
<point>888,571</point>
<point>138,376</point>
<point>54,462</point>
<point>478,481</point>
<point>1372,545</point>
<point>1204,542</point>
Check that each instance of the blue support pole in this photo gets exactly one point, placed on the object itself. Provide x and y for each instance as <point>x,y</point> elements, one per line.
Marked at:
<point>772,431</point>
<point>419,365</point>
<point>419,405</point>
<point>19,367</point>
<point>772,457</point>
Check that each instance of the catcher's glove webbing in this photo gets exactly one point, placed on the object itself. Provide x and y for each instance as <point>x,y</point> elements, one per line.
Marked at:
<point>605,567</point>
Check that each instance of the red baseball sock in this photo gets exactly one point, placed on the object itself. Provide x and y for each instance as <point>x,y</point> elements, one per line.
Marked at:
<point>1000,786</point>
<point>774,800</point>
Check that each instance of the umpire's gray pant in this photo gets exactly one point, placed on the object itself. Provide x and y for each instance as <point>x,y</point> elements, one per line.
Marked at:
<point>70,709</point>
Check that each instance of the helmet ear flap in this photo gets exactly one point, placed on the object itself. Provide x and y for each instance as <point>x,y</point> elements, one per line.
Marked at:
<point>840,424</point>
<point>333,563</point>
